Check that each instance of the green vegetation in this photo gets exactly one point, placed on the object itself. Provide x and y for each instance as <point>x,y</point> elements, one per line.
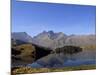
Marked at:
<point>28,70</point>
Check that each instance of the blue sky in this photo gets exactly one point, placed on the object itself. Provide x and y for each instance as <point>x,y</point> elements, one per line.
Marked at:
<point>34,18</point>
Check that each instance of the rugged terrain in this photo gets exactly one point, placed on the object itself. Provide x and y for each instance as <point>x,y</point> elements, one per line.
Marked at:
<point>52,50</point>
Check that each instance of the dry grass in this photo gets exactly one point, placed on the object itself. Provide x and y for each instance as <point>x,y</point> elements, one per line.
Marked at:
<point>89,47</point>
<point>28,70</point>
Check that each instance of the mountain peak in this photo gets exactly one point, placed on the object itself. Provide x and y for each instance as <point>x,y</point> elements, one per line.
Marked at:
<point>23,36</point>
<point>44,31</point>
<point>61,33</point>
<point>51,32</point>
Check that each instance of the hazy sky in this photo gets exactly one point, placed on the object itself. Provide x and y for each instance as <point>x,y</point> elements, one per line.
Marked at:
<point>33,18</point>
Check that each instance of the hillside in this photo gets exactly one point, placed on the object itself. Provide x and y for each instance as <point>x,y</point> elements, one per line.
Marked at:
<point>26,53</point>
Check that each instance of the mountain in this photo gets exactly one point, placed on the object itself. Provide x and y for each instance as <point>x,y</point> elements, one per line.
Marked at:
<point>49,39</point>
<point>55,40</point>
<point>44,49</point>
<point>22,36</point>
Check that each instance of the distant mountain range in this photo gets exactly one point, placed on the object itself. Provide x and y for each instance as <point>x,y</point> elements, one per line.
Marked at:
<point>23,36</point>
<point>54,40</point>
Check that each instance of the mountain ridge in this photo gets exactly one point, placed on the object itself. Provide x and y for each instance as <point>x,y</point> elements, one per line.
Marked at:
<point>54,40</point>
